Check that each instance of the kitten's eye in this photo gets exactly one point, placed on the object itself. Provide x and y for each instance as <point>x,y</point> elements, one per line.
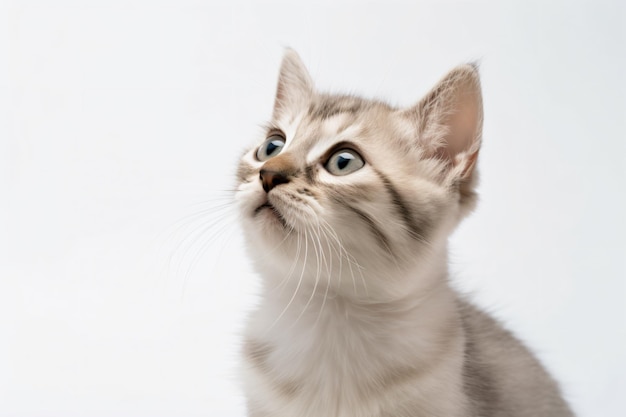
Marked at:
<point>270,148</point>
<point>344,162</point>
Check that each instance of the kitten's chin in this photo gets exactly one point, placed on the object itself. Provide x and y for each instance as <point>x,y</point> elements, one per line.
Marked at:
<point>269,216</point>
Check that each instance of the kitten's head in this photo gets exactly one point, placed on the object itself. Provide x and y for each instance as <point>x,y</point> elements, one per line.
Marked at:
<point>355,187</point>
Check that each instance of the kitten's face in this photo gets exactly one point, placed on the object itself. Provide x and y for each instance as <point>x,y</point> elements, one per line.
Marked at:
<point>342,186</point>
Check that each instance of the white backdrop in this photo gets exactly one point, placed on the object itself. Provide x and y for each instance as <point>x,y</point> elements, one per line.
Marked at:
<point>121,118</point>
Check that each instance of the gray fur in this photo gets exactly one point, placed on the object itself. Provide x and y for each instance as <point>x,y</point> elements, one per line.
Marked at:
<point>356,316</point>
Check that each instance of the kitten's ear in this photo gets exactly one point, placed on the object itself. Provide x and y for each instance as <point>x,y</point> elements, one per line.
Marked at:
<point>449,119</point>
<point>295,86</point>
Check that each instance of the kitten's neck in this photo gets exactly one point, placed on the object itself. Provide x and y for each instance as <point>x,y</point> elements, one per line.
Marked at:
<point>421,295</point>
<point>358,284</point>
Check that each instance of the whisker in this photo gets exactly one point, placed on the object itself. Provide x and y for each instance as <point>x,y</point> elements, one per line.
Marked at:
<point>186,220</point>
<point>341,252</point>
<point>293,264</point>
<point>349,257</point>
<point>195,227</point>
<point>321,232</point>
<point>317,278</point>
<point>219,233</point>
<point>306,250</point>
<point>192,238</point>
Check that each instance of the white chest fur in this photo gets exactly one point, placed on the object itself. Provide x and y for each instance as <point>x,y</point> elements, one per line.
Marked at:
<point>370,361</point>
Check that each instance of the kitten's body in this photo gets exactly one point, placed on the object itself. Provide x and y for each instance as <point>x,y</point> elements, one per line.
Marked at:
<point>356,316</point>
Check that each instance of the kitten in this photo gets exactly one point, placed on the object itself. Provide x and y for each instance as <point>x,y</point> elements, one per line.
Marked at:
<point>347,205</point>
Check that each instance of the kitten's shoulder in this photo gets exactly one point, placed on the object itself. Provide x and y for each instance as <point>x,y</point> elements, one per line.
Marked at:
<point>501,376</point>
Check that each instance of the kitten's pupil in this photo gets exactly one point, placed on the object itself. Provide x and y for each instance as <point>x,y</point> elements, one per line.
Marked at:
<point>343,160</point>
<point>271,147</point>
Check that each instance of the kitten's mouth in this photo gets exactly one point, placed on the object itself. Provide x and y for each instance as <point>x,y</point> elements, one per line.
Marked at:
<point>263,206</point>
<point>275,213</point>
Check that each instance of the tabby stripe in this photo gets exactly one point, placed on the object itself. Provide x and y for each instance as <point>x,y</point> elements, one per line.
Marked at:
<point>478,380</point>
<point>258,354</point>
<point>329,107</point>
<point>415,230</point>
<point>376,231</point>
<point>309,174</point>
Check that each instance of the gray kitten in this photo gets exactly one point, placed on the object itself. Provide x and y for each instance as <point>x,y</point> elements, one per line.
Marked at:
<point>347,205</point>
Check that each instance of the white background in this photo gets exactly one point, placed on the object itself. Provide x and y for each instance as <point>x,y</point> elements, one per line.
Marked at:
<point>118,119</point>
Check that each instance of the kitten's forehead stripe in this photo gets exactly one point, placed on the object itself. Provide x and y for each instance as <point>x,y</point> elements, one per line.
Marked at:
<point>330,106</point>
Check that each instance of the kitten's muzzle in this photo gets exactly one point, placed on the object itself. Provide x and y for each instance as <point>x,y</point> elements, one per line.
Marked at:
<point>271,179</point>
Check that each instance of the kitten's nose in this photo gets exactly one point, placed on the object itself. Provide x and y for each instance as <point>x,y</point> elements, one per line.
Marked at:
<point>271,179</point>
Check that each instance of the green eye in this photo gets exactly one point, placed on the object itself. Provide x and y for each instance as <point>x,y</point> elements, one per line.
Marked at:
<point>344,162</point>
<point>270,148</point>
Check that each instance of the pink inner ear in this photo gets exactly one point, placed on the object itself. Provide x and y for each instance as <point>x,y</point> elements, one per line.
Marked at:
<point>449,118</point>
<point>469,162</point>
<point>464,122</point>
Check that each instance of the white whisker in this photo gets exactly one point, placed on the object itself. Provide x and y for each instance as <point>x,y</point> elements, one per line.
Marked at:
<point>295,293</point>
<point>317,278</point>
<point>287,277</point>
<point>330,271</point>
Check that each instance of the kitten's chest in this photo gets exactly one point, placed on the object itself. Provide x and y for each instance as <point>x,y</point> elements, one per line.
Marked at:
<point>339,367</point>
<point>332,353</point>
<point>313,375</point>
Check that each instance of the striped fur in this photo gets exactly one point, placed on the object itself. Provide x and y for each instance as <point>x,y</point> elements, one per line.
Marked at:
<point>356,317</point>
